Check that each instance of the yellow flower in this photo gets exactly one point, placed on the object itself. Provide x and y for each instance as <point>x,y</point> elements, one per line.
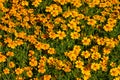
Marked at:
<point>8,40</point>
<point>45,46</point>
<point>80,16</point>
<point>66,14</point>
<point>85,54</point>
<point>66,68</point>
<point>33,63</point>
<point>38,46</point>
<point>61,34</point>
<point>95,66</point>
<point>52,35</point>
<point>119,37</point>
<point>86,77</point>
<point>100,41</point>
<point>91,22</point>
<point>64,27</point>
<point>117,78</point>
<point>77,29</point>
<point>11,64</point>
<point>2,58</point>
<point>41,70</point>
<point>86,41</point>
<point>31,52</point>
<point>6,71</point>
<point>106,50</point>
<point>47,77</point>
<point>18,71</point>
<point>12,44</point>
<point>85,71</point>
<point>36,2</point>
<point>49,8</point>
<point>94,49</point>
<point>72,57</point>
<point>19,42</point>
<point>51,51</point>
<point>75,35</point>
<point>29,73</point>
<point>19,78</point>
<point>10,53</point>
<point>108,28</point>
<point>114,72</point>
<point>112,64</point>
<point>96,55</point>
<point>21,35</point>
<point>24,3</point>
<point>78,79</point>
<point>77,47</point>
<point>76,3</point>
<point>79,64</point>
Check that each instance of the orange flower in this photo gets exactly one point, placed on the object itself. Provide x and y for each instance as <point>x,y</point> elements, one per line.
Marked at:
<point>108,28</point>
<point>96,55</point>
<point>86,41</point>
<point>31,52</point>
<point>52,35</point>
<point>79,64</point>
<point>51,51</point>
<point>41,70</point>
<point>33,63</point>
<point>112,64</point>
<point>61,34</point>
<point>91,22</point>
<point>75,35</point>
<point>12,44</point>
<point>106,50</point>
<point>45,46</point>
<point>2,58</point>
<point>7,40</point>
<point>10,53</point>
<point>47,77</point>
<point>86,54</point>
<point>66,68</point>
<point>11,64</point>
<point>29,73</point>
<point>19,42</point>
<point>6,71</point>
<point>77,47</point>
<point>95,66</point>
<point>18,71</point>
<point>114,72</point>
<point>38,46</point>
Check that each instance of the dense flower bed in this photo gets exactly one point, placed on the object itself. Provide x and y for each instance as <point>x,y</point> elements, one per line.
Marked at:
<point>59,40</point>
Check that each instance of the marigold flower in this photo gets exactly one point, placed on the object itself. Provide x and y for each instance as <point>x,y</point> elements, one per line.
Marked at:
<point>18,71</point>
<point>114,72</point>
<point>79,64</point>
<point>2,57</point>
<point>47,77</point>
<point>108,28</point>
<point>96,55</point>
<point>75,35</point>
<point>6,71</point>
<point>91,22</point>
<point>29,73</point>
<point>85,54</point>
<point>33,63</point>
<point>11,64</point>
<point>51,51</point>
<point>61,34</point>
<point>10,53</point>
<point>86,41</point>
<point>95,66</point>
